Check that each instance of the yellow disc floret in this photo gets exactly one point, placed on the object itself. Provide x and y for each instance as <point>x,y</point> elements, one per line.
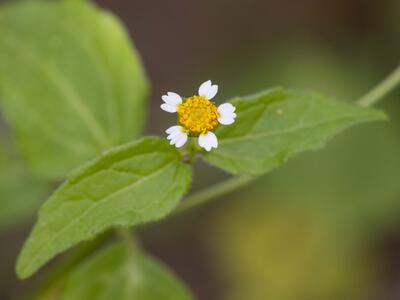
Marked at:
<point>198,115</point>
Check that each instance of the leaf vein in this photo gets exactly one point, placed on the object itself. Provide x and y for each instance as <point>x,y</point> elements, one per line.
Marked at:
<point>90,208</point>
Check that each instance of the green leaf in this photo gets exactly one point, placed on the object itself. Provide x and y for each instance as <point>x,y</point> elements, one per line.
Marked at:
<point>71,83</point>
<point>20,192</point>
<point>117,273</point>
<point>129,185</point>
<point>277,124</point>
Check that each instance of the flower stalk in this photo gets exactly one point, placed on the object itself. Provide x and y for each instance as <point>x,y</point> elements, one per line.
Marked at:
<point>196,199</point>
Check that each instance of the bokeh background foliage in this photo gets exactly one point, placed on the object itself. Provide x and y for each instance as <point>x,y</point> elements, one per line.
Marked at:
<point>83,58</point>
<point>322,227</point>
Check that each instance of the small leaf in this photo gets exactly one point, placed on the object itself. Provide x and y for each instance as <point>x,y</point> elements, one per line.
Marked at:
<point>117,273</point>
<point>129,185</point>
<point>277,124</point>
<point>71,83</point>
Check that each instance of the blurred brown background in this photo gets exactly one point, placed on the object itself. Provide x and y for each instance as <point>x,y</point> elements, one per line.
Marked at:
<point>325,226</point>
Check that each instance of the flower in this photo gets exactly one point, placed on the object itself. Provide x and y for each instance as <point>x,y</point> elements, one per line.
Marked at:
<point>198,116</point>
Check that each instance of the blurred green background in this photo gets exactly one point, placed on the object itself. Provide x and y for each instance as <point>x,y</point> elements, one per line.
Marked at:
<point>326,225</point>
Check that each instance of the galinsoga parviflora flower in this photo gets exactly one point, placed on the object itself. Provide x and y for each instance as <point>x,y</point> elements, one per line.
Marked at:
<point>198,116</point>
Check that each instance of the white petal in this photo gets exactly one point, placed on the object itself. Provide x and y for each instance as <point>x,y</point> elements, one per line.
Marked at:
<point>212,92</point>
<point>226,114</point>
<point>173,136</point>
<point>208,141</point>
<point>182,141</point>
<point>204,87</point>
<point>226,121</point>
<point>227,118</point>
<point>226,107</point>
<point>172,98</point>
<point>168,108</point>
<point>208,90</point>
<point>176,136</point>
<point>174,139</point>
<point>172,129</point>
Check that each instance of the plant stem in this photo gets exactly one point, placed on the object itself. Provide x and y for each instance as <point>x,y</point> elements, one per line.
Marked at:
<point>382,89</point>
<point>126,235</point>
<point>214,191</point>
<point>229,185</point>
<point>205,195</point>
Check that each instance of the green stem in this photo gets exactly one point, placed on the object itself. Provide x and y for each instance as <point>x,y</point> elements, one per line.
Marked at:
<point>126,235</point>
<point>382,89</point>
<point>222,188</point>
<point>219,189</point>
<point>213,192</point>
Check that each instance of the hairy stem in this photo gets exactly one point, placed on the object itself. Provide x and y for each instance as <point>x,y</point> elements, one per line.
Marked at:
<point>213,192</point>
<point>232,184</point>
<point>127,236</point>
<point>207,194</point>
<point>382,89</point>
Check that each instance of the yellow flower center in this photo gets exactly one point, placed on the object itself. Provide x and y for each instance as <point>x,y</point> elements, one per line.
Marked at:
<point>198,115</point>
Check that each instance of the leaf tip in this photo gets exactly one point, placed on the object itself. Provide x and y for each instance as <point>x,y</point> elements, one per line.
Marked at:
<point>20,270</point>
